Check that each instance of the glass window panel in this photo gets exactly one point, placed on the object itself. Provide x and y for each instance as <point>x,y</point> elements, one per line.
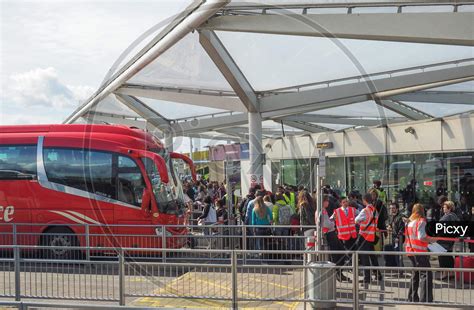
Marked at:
<point>401,172</point>
<point>376,170</point>
<point>303,173</point>
<point>276,175</point>
<point>288,169</point>
<point>430,172</point>
<point>85,170</point>
<point>335,174</point>
<point>356,174</point>
<point>17,161</point>
<point>460,181</point>
<point>130,183</point>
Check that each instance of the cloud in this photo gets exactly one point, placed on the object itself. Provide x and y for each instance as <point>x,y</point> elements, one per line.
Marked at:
<point>42,87</point>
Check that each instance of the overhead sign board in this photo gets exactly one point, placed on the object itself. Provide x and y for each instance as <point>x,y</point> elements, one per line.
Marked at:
<point>324,145</point>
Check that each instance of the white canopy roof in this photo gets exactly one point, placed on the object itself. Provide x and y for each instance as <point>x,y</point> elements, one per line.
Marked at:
<point>306,66</point>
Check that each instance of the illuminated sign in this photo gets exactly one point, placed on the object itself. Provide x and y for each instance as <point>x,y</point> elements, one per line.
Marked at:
<point>324,145</point>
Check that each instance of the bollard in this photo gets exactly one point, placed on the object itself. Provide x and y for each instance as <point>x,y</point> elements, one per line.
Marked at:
<point>321,277</point>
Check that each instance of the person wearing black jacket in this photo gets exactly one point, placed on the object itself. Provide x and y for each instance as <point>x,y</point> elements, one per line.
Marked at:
<point>396,228</point>
<point>449,216</point>
<point>383,216</point>
<point>243,205</point>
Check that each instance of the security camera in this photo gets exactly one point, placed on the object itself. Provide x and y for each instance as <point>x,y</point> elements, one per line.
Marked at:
<point>410,130</point>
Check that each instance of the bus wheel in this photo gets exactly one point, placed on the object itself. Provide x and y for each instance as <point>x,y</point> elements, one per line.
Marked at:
<point>62,237</point>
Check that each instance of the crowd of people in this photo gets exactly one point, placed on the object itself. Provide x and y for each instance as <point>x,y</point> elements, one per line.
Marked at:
<point>364,222</point>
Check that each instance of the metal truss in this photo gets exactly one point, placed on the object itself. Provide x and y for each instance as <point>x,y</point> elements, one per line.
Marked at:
<point>149,114</point>
<point>388,89</point>
<point>206,98</point>
<point>302,7</point>
<point>215,136</point>
<point>284,104</point>
<point>453,97</point>
<point>403,109</point>
<point>454,28</point>
<point>229,69</point>
<point>308,127</point>
<point>210,123</point>
<point>244,132</point>
<point>193,17</point>
<point>339,120</point>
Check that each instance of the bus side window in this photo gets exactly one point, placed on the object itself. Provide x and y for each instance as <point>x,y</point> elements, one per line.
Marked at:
<point>82,169</point>
<point>130,183</point>
<point>17,162</point>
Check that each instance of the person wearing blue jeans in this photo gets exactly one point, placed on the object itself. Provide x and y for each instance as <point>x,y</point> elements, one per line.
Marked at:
<point>261,217</point>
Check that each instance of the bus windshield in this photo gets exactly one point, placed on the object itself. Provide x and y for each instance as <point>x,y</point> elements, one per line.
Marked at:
<point>169,197</point>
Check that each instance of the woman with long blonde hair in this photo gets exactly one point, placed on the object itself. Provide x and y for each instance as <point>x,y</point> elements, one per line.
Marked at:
<point>261,216</point>
<point>417,241</point>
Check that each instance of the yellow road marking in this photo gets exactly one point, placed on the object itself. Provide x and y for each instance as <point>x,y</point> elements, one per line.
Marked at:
<point>241,292</point>
<point>275,284</point>
<point>160,302</point>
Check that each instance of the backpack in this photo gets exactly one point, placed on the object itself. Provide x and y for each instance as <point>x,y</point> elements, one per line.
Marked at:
<point>284,215</point>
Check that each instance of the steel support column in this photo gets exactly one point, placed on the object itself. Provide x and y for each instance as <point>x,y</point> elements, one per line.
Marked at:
<point>255,148</point>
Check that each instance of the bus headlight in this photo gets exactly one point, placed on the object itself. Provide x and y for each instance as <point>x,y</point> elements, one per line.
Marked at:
<point>159,232</point>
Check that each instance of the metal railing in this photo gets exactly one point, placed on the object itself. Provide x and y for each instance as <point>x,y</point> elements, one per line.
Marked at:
<point>232,282</point>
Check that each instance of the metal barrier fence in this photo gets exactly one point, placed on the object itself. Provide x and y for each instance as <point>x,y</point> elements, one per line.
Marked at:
<point>95,241</point>
<point>234,281</point>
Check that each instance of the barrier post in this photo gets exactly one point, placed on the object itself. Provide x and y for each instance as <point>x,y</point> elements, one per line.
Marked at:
<point>16,253</point>
<point>121,278</point>
<point>163,243</point>
<point>15,237</point>
<point>244,243</point>
<point>88,243</point>
<point>355,280</point>
<point>234,280</point>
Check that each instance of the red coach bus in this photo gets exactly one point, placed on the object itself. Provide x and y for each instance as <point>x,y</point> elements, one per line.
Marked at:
<point>57,181</point>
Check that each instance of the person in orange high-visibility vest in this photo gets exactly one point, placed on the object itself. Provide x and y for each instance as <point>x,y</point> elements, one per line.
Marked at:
<point>416,241</point>
<point>334,244</point>
<point>367,220</point>
<point>344,216</point>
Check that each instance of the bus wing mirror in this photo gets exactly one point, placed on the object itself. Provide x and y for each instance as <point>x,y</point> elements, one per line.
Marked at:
<point>159,162</point>
<point>187,160</point>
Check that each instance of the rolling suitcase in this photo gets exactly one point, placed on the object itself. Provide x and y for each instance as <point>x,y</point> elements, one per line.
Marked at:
<point>468,262</point>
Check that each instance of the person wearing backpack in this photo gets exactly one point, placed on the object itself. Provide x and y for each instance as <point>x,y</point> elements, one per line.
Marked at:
<point>281,215</point>
<point>243,205</point>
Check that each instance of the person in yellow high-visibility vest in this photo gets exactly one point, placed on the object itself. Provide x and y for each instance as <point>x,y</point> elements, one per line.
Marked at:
<point>290,198</point>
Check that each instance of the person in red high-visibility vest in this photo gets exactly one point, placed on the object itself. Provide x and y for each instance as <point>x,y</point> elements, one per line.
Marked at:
<point>344,216</point>
<point>367,220</point>
<point>334,244</point>
<point>416,241</point>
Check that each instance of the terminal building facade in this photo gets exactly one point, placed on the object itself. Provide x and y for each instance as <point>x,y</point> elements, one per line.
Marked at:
<point>415,161</point>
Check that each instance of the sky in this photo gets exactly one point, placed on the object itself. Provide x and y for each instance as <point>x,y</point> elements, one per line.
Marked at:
<point>55,54</point>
